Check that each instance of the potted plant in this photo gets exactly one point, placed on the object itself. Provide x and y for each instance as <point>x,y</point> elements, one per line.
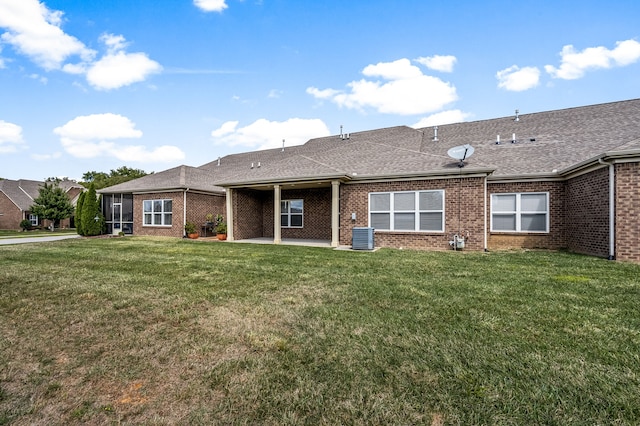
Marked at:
<point>221,230</point>
<point>190,230</point>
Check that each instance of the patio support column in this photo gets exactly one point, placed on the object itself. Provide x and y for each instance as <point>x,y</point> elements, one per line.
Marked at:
<point>229,200</point>
<point>277,239</point>
<point>335,213</point>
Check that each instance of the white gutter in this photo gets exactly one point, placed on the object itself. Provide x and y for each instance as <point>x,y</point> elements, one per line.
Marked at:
<point>612,209</point>
<point>184,211</point>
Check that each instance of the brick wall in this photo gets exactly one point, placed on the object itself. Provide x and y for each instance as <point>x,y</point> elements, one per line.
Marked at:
<point>248,213</point>
<point>198,206</point>
<point>587,213</point>
<point>11,216</point>
<point>317,214</point>
<point>553,240</point>
<point>628,212</point>
<point>463,213</point>
<point>176,230</point>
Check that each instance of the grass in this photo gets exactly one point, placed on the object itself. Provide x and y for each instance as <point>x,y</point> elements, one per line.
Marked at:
<point>162,331</point>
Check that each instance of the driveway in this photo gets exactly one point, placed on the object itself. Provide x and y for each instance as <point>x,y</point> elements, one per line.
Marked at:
<point>6,241</point>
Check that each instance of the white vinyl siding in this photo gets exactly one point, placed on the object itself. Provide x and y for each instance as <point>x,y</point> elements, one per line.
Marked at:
<point>420,211</point>
<point>520,212</point>
<point>158,212</point>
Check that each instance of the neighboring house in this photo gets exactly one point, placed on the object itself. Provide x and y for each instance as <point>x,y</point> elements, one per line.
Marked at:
<point>16,199</point>
<point>566,179</point>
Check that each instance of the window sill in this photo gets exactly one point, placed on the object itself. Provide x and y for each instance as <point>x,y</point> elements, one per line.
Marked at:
<point>519,232</point>
<point>385,231</point>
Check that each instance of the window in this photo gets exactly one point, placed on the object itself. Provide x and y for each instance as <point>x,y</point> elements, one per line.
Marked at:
<point>407,211</point>
<point>520,212</point>
<point>157,212</point>
<point>291,212</point>
<point>33,219</point>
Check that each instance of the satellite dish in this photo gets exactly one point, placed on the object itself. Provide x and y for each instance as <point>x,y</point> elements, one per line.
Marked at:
<point>461,153</point>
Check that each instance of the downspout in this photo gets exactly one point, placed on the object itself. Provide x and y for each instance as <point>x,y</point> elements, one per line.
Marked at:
<point>612,209</point>
<point>184,212</point>
<point>485,214</point>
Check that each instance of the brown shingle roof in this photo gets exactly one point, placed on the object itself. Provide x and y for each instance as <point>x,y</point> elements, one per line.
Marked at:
<point>546,143</point>
<point>22,192</point>
<point>177,178</point>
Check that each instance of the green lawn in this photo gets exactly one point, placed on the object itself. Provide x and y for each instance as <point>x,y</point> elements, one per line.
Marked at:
<point>164,331</point>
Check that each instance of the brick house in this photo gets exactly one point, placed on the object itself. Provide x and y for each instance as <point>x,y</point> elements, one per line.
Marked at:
<point>565,179</point>
<point>16,199</point>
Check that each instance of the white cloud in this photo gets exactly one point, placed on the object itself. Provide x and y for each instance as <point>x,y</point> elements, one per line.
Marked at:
<point>438,62</point>
<point>35,31</point>
<point>264,134</point>
<point>442,118</point>
<point>575,64</point>
<point>46,157</point>
<point>118,68</point>
<point>518,79</point>
<point>93,135</point>
<point>10,137</point>
<point>41,79</point>
<point>225,129</point>
<point>322,94</point>
<point>407,90</point>
<point>211,5</point>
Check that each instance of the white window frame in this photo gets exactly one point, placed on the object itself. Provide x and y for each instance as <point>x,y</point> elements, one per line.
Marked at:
<point>518,212</point>
<point>416,211</point>
<point>286,212</point>
<point>152,213</point>
<point>33,218</point>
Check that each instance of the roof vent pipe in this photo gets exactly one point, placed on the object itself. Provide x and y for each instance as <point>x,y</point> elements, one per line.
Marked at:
<point>282,145</point>
<point>498,140</point>
<point>435,133</point>
<point>513,138</point>
<point>517,116</point>
<point>218,161</point>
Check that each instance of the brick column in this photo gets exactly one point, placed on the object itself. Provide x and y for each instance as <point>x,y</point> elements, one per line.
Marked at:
<point>335,213</point>
<point>276,215</point>
<point>229,214</point>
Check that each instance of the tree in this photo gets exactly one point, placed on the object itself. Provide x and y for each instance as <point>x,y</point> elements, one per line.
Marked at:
<point>52,203</point>
<point>102,180</point>
<point>92,220</point>
<point>79,205</point>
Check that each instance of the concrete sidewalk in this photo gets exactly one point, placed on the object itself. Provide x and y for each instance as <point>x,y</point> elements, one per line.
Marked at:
<point>7,241</point>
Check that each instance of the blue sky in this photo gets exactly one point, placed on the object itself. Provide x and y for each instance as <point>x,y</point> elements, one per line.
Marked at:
<point>95,85</point>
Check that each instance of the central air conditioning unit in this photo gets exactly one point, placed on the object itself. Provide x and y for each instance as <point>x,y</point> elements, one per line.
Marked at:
<point>362,239</point>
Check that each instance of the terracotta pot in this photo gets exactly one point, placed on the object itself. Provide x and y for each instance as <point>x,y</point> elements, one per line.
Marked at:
<point>193,236</point>
<point>222,237</point>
